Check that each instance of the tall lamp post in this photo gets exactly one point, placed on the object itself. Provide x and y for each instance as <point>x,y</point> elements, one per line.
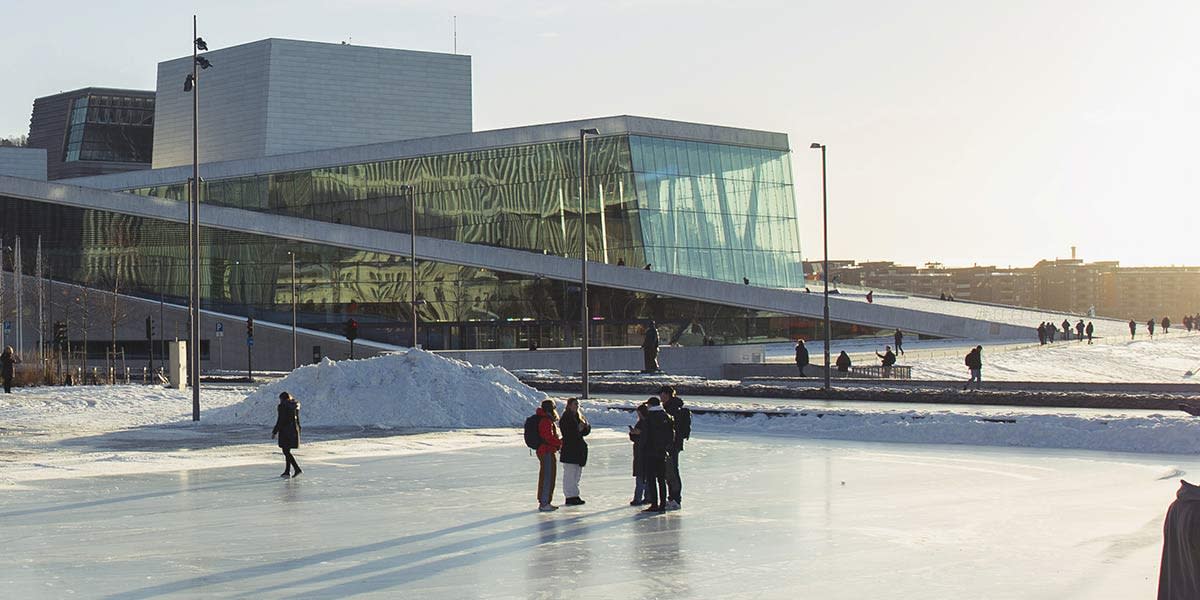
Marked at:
<point>412,255</point>
<point>825,262</point>
<point>192,84</point>
<point>295,361</point>
<point>584,317</point>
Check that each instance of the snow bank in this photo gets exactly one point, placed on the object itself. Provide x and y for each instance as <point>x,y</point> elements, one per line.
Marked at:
<point>1153,433</point>
<point>412,388</point>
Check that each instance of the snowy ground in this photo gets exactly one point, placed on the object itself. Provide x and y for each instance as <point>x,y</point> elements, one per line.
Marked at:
<point>1166,359</point>
<point>113,492</point>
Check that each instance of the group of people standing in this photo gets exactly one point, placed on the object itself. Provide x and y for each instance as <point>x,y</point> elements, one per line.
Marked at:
<point>663,423</point>
<point>1047,331</point>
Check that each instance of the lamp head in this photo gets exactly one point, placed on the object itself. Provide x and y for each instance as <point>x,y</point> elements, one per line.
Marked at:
<point>816,145</point>
<point>187,83</point>
<point>201,44</point>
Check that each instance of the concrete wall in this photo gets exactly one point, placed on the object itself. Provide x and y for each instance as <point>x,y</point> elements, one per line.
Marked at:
<point>281,96</point>
<point>702,361</point>
<point>28,163</point>
<point>233,106</point>
<point>333,95</point>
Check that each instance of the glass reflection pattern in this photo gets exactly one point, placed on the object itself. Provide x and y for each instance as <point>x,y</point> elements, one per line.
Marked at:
<point>718,211</point>
<point>706,210</point>
<point>464,307</point>
<point>110,128</point>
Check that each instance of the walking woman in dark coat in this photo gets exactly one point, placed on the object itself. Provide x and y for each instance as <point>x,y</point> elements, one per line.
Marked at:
<point>573,456</point>
<point>287,426</point>
<point>7,370</point>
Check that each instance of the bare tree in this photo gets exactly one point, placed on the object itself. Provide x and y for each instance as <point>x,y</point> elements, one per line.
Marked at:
<point>14,141</point>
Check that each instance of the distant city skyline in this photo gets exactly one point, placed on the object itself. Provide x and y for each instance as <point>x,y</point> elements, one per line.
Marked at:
<point>990,133</point>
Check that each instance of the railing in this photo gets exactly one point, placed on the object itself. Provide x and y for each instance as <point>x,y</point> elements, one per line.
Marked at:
<point>880,372</point>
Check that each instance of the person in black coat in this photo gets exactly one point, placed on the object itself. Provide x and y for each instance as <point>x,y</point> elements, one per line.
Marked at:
<point>886,360</point>
<point>650,349</point>
<point>974,362</point>
<point>287,427</point>
<point>573,426</point>
<point>1089,329</point>
<point>637,436</point>
<point>660,436</point>
<point>801,356</point>
<point>8,370</point>
<point>843,362</point>
<point>898,337</point>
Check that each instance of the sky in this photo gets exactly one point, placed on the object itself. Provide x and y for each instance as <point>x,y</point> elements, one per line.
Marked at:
<point>990,132</point>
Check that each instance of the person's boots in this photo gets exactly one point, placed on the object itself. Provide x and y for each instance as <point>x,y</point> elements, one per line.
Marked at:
<point>297,473</point>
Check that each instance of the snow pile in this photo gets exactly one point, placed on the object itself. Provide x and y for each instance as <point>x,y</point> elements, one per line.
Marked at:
<point>412,388</point>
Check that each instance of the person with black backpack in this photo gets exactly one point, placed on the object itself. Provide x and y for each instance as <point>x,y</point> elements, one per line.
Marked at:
<point>542,435</point>
<point>682,417</point>
<point>660,436</point>
<point>974,362</point>
<point>574,453</point>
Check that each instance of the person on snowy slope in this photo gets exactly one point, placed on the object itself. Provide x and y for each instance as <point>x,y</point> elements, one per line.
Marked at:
<point>550,444</point>
<point>1166,325</point>
<point>974,362</point>
<point>801,356</point>
<point>1132,329</point>
<point>574,427</point>
<point>1150,327</point>
<point>287,427</point>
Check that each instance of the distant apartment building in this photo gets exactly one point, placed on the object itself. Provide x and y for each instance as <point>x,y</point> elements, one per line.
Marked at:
<point>1067,285</point>
<point>94,131</point>
<point>1150,292</point>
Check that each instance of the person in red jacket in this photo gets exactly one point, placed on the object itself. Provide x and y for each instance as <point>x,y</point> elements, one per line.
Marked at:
<point>545,453</point>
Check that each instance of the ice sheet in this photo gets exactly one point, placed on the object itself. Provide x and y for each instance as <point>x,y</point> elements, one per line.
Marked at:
<point>763,517</point>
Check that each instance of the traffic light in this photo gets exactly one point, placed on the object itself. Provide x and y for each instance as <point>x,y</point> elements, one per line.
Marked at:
<point>352,330</point>
<point>249,327</point>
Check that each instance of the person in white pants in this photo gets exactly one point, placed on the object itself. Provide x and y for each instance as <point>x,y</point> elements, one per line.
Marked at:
<point>573,427</point>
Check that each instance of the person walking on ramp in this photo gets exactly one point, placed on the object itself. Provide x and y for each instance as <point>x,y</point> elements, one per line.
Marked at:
<point>550,443</point>
<point>898,337</point>
<point>974,362</point>
<point>574,427</point>
<point>287,427</point>
<point>801,356</point>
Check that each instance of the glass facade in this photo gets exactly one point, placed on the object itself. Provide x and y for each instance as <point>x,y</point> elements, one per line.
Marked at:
<point>110,128</point>
<point>717,211</point>
<point>464,307</point>
<point>700,209</point>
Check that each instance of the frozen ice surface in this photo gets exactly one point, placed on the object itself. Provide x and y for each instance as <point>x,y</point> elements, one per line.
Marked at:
<point>764,516</point>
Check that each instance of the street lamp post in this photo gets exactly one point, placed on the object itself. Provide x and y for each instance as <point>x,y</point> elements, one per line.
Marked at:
<point>584,317</point>
<point>412,255</point>
<point>192,84</point>
<point>825,262</point>
<point>295,356</point>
